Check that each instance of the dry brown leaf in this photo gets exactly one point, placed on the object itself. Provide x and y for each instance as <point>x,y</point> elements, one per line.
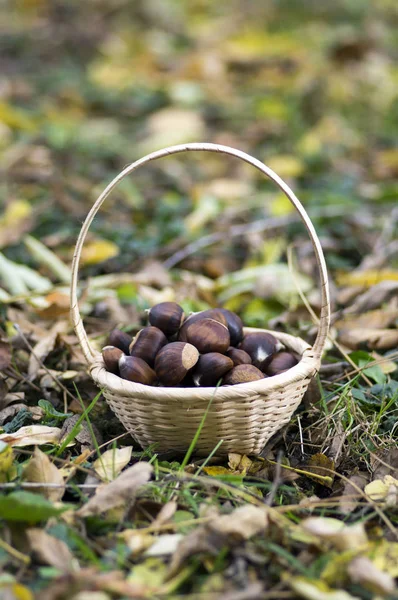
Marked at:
<point>119,491</point>
<point>372,319</point>
<point>347,502</point>
<point>51,551</point>
<point>57,305</point>
<point>44,347</point>
<point>41,470</point>
<point>111,463</point>
<point>165,514</point>
<point>32,435</point>
<point>362,570</point>
<point>375,297</point>
<point>373,339</point>
<point>5,356</point>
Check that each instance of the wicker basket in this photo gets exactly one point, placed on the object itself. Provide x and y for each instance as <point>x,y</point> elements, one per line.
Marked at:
<point>243,416</point>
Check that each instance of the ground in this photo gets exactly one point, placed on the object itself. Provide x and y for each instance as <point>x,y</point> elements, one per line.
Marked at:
<point>308,88</point>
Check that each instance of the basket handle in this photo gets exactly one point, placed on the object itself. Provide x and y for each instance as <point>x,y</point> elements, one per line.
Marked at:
<point>324,320</point>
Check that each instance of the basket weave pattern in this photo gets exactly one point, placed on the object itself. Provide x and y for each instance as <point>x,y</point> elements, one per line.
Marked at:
<point>244,416</point>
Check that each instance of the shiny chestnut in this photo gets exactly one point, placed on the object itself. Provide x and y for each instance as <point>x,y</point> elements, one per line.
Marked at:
<point>166,316</point>
<point>210,368</point>
<point>173,362</point>
<point>147,343</point>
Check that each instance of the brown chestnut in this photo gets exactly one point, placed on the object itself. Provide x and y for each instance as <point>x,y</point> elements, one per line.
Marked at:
<point>135,369</point>
<point>147,344</point>
<point>211,313</point>
<point>111,356</point>
<point>166,316</point>
<point>281,362</point>
<point>239,357</point>
<point>210,368</point>
<point>120,339</point>
<point>260,346</point>
<point>174,361</point>
<point>242,374</point>
<point>207,335</point>
<point>234,324</point>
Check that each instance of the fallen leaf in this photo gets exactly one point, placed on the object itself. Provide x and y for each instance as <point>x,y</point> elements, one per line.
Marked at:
<point>216,471</point>
<point>363,571</point>
<point>165,515</point>
<point>119,491</point>
<point>51,551</point>
<point>43,348</point>
<point>25,506</point>
<point>375,297</point>
<point>373,339</point>
<point>242,523</point>
<point>171,126</point>
<point>347,502</point>
<point>367,278</point>
<point>372,319</point>
<point>385,490</point>
<point>5,355</point>
<point>240,463</point>
<point>40,469</point>
<point>6,461</point>
<point>111,463</point>
<point>32,435</point>
<point>57,304</point>
<point>338,534</point>
<point>98,251</point>
<point>384,556</point>
<point>322,467</point>
<point>313,589</point>
<point>164,545</point>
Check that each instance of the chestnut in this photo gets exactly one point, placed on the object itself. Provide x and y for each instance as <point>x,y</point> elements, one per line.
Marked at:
<point>147,344</point>
<point>242,374</point>
<point>210,368</point>
<point>281,362</point>
<point>207,335</point>
<point>173,362</point>
<point>260,346</point>
<point>211,313</point>
<point>120,339</point>
<point>111,356</point>
<point>166,316</point>
<point>234,324</point>
<point>239,357</point>
<point>135,369</point>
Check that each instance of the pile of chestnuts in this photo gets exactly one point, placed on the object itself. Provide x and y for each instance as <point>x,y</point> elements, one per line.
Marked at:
<point>202,349</point>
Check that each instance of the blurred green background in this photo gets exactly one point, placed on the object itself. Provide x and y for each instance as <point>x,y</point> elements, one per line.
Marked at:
<point>87,87</point>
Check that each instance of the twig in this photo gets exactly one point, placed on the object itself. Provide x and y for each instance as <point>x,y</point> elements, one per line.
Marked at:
<point>15,553</point>
<point>276,481</point>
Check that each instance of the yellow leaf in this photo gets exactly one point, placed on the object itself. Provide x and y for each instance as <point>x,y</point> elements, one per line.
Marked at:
<point>280,205</point>
<point>17,592</point>
<point>385,489</point>
<point>215,471</point>
<point>15,212</point>
<point>17,118</point>
<point>384,555</point>
<point>240,463</point>
<point>286,165</point>
<point>367,278</point>
<point>98,251</point>
<point>110,464</point>
<point>6,460</point>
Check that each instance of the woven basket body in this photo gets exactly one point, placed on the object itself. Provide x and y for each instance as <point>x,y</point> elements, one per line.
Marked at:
<point>240,418</point>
